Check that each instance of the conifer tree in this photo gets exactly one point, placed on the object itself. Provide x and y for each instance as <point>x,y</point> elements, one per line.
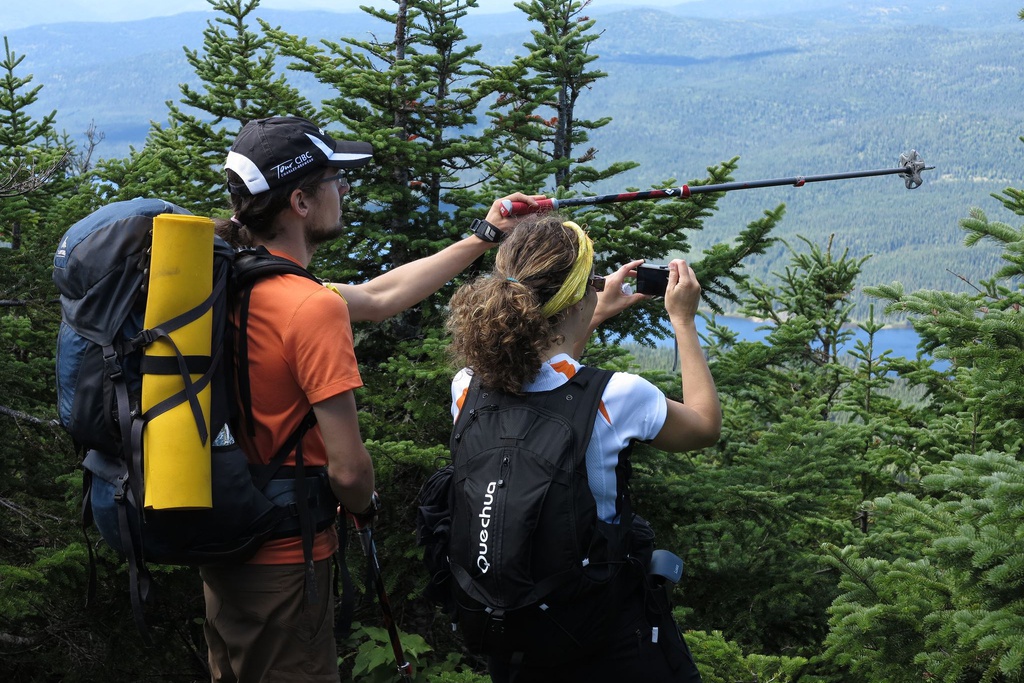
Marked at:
<point>800,451</point>
<point>412,96</point>
<point>36,159</point>
<point>45,630</point>
<point>542,146</point>
<point>934,591</point>
<point>29,144</point>
<point>534,122</point>
<point>183,161</point>
<point>535,115</point>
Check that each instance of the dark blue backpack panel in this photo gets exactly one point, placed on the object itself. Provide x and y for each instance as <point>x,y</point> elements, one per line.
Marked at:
<point>99,267</point>
<point>100,270</point>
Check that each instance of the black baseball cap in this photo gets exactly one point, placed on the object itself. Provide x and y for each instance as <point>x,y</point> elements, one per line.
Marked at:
<point>271,152</point>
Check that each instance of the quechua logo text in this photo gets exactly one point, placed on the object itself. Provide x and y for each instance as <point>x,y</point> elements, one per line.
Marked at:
<point>482,563</point>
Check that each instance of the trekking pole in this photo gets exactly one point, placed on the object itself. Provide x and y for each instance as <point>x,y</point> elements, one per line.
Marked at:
<point>909,168</point>
<point>365,531</point>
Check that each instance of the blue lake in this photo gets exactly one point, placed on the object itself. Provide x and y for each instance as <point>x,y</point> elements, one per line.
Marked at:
<point>901,341</point>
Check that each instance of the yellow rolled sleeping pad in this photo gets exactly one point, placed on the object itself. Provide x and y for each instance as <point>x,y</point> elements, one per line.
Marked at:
<point>176,447</point>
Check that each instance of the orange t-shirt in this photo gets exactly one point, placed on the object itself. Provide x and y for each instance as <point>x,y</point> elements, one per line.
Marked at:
<point>300,353</point>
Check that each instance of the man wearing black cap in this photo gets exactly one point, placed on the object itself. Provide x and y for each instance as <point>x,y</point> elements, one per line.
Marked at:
<point>287,178</point>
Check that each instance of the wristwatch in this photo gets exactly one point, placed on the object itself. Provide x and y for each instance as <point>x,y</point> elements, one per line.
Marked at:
<point>485,231</point>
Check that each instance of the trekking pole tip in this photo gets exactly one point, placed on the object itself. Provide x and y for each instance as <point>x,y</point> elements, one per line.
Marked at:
<point>912,165</point>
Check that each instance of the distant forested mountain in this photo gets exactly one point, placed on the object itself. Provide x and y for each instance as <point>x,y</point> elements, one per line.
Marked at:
<point>794,88</point>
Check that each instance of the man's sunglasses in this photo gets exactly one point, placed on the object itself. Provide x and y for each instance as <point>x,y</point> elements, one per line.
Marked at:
<point>341,179</point>
<point>597,282</point>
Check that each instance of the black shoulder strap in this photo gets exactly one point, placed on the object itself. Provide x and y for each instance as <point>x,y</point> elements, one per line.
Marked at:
<point>255,263</point>
<point>578,400</point>
<point>475,395</point>
<point>250,266</point>
<point>585,414</point>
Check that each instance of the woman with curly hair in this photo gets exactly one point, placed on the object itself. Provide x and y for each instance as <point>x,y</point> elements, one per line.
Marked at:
<point>521,330</point>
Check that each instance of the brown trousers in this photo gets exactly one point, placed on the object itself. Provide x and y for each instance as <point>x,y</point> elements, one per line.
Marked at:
<point>260,629</point>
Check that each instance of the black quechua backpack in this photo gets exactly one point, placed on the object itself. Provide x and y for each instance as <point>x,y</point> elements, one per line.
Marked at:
<point>101,269</point>
<point>535,575</point>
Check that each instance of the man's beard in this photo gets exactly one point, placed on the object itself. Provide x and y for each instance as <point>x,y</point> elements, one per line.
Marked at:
<point>317,235</point>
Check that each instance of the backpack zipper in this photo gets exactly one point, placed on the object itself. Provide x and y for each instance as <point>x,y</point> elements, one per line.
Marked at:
<point>579,550</point>
<point>504,468</point>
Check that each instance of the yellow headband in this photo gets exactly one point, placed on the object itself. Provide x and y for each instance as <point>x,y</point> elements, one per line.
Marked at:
<point>575,286</point>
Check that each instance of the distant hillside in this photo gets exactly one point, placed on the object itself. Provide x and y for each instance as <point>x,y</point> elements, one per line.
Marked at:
<point>801,97</point>
<point>796,88</point>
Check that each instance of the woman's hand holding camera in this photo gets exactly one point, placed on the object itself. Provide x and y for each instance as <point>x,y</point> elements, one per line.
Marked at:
<point>682,295</point>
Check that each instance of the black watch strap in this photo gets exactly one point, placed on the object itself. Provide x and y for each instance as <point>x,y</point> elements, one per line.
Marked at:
<point>485,231</point>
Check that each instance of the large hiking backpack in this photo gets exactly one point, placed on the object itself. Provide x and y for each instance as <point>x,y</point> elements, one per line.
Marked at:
<point>513,542</point>
<point>100,269</point>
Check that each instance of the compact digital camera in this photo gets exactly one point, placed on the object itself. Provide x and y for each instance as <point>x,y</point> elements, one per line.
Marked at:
<point>651,279</point>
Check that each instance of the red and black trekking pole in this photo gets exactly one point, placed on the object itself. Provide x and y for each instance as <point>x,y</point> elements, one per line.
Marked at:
<point>909,168</point>
<point>364,527</point>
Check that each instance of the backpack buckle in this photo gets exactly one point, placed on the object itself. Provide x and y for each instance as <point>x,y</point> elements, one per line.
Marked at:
<point>144,338</point>
<point>121,487</point>
<point>111,367</point>
<point>495,620</point>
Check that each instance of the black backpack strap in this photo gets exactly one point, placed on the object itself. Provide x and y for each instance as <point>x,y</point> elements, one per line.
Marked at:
<point>87,520</point>
<point>250,266</point>
<point>242,362</point>
<point>476,396</point>
<point>307,524</point>
<point>595,380</point>
<point>130,493</point>
<point>262,474</point>
<point>125,418</point>
<point>257,263</point>
<point>140,583</point>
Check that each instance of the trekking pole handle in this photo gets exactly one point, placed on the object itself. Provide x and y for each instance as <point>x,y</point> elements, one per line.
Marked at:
<point>366,517</point>
<point>511,208</point>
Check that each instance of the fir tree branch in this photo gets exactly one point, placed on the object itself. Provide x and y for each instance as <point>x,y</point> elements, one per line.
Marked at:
<point>16,303</point>
<point>25,177</point>
<point>970,284</point>
<point>25,417</point>
<point>21,511</point>
<point>853,571</point>
<point>17,641</point>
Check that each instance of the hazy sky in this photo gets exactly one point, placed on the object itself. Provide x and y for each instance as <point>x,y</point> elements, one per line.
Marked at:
<point>16,14</point>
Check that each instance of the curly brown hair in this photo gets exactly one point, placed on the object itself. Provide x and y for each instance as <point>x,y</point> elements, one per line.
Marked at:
<point>495,321</point>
